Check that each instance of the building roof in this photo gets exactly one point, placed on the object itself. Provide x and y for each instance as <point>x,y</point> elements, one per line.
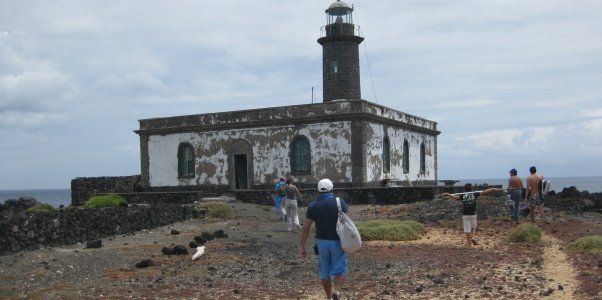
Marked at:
<point>339,110</point>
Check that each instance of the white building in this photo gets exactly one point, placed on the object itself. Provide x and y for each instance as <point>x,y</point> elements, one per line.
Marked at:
<point>353,142</point>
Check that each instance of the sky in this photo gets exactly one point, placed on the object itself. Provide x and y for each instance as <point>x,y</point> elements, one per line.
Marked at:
<point>511,83</point>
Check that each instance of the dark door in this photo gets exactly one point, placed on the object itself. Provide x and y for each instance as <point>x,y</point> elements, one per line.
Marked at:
<point>240,171</point>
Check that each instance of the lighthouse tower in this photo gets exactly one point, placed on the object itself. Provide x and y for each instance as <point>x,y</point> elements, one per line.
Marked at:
<point>340,54</point>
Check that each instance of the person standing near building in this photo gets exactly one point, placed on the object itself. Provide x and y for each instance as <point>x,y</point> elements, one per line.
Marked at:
<point>280,189</point>
<point>534,195</point>
<point>515,188</point>
<point>469,210</point>
<point>332,261</point>
<point>291,207</point>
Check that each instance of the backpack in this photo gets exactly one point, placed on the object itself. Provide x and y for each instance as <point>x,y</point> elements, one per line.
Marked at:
<point>351,240</point>
<point>544,187</point>
<point>282,188</point>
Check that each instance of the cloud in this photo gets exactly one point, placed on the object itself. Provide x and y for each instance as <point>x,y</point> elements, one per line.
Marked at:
<point>132,85</point>
<point>30,120</point>
<point>30,84</point>
<point>594,126</point>
<point>502,78</point>
<point>78,25</point>
<point>466,104</point>
<point>509,140</point>
<point>594,112</point>
<point>497,138</point>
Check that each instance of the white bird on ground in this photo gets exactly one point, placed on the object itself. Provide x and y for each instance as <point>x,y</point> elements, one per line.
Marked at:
<point>199,252</point>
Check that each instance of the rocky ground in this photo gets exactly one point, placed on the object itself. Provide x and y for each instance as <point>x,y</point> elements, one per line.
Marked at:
<point>260,259</point>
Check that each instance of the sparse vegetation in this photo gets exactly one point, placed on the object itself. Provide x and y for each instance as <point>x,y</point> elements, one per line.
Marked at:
<point>219,210</point>
<point>390,230</point>
<point>42,207</point>
<point>110,200</point>
<point>525,233</point>
<point>267,208</point>
<point>589,244</point>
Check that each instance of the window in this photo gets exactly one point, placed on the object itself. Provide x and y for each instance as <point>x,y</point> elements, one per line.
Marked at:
<point>334,67</point>
<point>185,161</point>
<point>300,156</point>
<point>422,158</point>
<point>406,157</point>
<point>386,155</point>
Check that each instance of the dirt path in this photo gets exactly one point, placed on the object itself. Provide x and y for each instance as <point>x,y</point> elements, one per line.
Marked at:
<point>259,260</point>
<point>557,268</point>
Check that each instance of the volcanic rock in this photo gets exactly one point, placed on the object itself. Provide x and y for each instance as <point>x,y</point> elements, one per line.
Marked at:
<point>200,240</point>
<point>94,244</point>
<point>145,264</point>
<point>207,235</point>
<point>220,234</point>
<point>180,250</point>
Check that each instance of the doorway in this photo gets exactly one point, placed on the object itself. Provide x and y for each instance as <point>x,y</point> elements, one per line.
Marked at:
<point>240,171</point>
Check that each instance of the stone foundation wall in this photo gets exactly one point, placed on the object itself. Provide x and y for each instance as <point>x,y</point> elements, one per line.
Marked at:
<point>83,188</point>
<point>24,231</point>
<point>370,195</point>
<point>162,197</point>
<point>365,195</point>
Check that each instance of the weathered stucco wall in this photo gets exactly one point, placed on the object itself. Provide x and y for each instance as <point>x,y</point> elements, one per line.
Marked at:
<point>392,114</point>
<point>374,151</point>
<point>330,145</point>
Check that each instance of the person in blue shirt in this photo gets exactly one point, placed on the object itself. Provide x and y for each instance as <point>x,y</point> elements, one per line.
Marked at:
<point>332,261</point>
<point>280,189</point>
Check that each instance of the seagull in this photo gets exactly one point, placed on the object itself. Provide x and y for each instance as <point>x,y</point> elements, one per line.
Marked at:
<point>199,252</point>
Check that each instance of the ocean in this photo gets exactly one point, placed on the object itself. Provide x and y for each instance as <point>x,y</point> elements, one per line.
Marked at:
<point>57,197</point>
<point>592,184</point>
<point>54,197</point>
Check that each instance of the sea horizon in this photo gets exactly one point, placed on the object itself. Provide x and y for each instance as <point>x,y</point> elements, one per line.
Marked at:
<point>58,197</point>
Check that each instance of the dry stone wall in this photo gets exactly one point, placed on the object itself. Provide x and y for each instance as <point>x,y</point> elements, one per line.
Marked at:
<point>83,188</point>
<point>20,230</point>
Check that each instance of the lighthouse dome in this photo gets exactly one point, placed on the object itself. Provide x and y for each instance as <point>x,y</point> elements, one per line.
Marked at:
<point>339,8</point>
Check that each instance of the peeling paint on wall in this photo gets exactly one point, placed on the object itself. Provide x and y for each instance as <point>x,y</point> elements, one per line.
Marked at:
<point>330,145</point>
<point>374,151</point>
<point>392,114</point>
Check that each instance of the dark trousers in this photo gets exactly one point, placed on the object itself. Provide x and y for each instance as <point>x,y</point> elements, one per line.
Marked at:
<point>515,196</point>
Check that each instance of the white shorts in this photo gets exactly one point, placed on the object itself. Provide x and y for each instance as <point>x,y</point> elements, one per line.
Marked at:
<point>470,223</point>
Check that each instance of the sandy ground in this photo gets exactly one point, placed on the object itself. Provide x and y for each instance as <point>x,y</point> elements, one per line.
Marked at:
<point>260,260</point>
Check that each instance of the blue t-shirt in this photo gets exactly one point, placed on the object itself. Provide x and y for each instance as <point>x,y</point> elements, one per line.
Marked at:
<point>324,212</point>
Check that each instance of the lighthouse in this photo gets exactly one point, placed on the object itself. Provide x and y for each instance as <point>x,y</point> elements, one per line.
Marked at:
<point>340,54</point>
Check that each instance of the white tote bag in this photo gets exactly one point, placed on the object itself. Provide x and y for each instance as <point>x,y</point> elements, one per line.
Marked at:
<point>351,240</point>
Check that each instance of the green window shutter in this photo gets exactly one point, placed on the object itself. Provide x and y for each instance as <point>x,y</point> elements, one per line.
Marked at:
<point>406,157</point>
<point>300,156</point>
<point>386,155</point>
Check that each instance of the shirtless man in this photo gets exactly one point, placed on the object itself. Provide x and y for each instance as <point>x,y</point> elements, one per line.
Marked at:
<point>515,188</point>
<point>533,195</point>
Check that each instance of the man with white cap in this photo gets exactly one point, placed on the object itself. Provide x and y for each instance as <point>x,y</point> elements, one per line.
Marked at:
<point>332,261</point>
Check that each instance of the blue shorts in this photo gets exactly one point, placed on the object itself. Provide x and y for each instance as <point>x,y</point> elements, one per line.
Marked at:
<point>331,259</point>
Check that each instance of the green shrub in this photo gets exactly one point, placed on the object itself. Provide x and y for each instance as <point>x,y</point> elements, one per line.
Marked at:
<point>42,207</point>
<point>525,233</point>
<point>389,230</point>
<point>219,210</point>
<point>110,200</point>
<point>590,244</point>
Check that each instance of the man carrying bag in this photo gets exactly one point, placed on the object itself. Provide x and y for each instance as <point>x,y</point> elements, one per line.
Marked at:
<point>332,262</point>
<point>349,236</point>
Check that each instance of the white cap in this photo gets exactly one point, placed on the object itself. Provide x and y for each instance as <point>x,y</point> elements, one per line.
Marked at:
<point>325,185</point>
